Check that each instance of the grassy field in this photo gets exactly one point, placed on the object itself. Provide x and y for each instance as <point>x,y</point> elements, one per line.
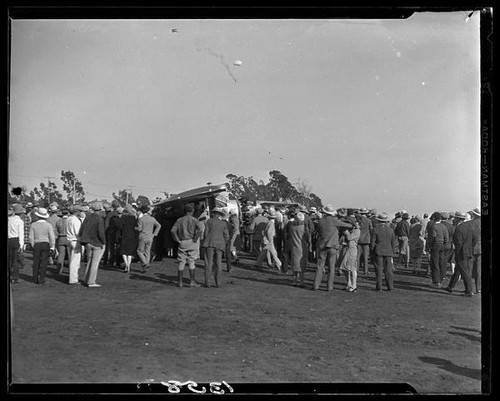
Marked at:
<point>256,328</point>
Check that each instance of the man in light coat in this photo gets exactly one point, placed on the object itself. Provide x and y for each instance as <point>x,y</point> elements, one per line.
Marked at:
<point>75,247</point>
<point>148,228</point>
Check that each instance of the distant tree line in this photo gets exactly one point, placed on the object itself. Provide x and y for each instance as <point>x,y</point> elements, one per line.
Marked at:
<point>71,192</point>
<point>278,188</point>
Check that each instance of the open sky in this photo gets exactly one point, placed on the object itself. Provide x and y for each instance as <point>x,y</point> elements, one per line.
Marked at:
<point>376,113</point>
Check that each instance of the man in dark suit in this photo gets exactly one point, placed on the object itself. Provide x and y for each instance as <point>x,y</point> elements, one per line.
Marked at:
<point>384,246</point>
<point>448,247</point>
<point>373,218</point>
<point>402,232</point>
<point>215,239</point>
<point>366,227</point>
<point>438,237</point>
<point>462,240</point>
<point>476,244</point>
<point>327,245</point>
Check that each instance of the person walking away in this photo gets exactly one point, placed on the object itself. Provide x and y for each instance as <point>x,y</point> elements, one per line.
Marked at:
<point>258,226</point>
<point>27,225</point>
<point>310,229</point>
<point>416,244</point>
<point>43,240</point>
<point>234,221</point>
<point>384,246</point>
<point>350,262</point>
<point>93,238</point>
<point>328,246</point>
<point>62,242</point>
<point>226,254</point>
<point>128,236</point>
<point>402,232</point>
<point>298,245</point>
<point>448,247</point>
<point>73,229</point>
<point>248,230</point>
<point>216,237</point>
<point>365,227</point>
<point>15,234</point>
<point>107,213</point>
<point>268,249</point>
<point>187,232</point>
<point>375,222</point>
<point>315,216</point>
<point>476,244</point>
<point>53,219</point>
<point>148,228</point>
<point>438,239</point>
<point>464,253</point>
<point>342,215</point>
<point>112,236</point>
<point>428,241</point>
<point>424,222</point>
<point>291,216</point>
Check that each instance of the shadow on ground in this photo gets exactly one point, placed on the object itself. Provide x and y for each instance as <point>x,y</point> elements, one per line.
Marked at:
<point>451,367</point>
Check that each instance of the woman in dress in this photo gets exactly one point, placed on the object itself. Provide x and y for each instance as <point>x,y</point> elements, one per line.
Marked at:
<point>297,239</point>
<point>349,264</point>
<point>128,236</point>
<point>416,243</point>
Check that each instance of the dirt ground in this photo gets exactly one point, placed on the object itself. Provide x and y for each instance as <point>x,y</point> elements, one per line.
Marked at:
<point>256,328</point>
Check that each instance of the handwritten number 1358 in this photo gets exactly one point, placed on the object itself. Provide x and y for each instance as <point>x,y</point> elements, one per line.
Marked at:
<point>174,386</point>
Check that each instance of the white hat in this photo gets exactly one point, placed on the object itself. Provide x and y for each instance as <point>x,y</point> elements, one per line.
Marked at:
<point>328,209</point>
<point>42,213</point>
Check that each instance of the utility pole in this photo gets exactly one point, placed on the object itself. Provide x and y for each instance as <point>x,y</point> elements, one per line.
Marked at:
<point>129,189</point>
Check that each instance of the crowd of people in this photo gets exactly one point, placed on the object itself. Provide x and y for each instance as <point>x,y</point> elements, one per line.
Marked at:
<point>104,233</point>
<point>288,239</point>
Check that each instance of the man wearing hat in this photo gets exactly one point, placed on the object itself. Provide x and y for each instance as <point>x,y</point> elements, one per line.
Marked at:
<point>75,247</point>
<point>309,225</point>
<point>268,249</point>
<point>62,243</point>
<point>437,239</point>
<point>31,208</point>
<point>215,239</point>
<point>384,246</point>
<point>476,244</point>
<point>402,232</point>
<point>107,213</point>
<point>93,238</point>
<point>448,248</point>
<point>15,230</point>
<point>313,238</point>
<point>113,238</point>
<point>43,241</point>
<point>258,225</point>
<point>53,219</point>
<point>327,245</point>
<point>365,227</point>
<point>187,232</point>
<point>148,228</point>
<point>462,241</point>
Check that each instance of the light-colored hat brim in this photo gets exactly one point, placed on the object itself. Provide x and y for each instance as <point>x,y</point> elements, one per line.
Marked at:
<point>328,212</point>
